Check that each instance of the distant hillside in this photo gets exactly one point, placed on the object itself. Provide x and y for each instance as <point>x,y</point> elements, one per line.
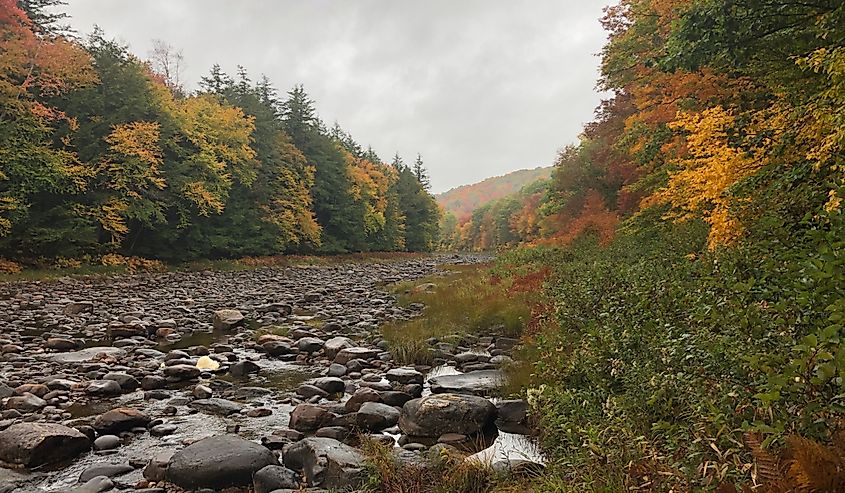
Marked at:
<point>461,201</point>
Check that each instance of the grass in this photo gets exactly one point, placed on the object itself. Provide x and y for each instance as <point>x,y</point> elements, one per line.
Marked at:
<point>463,300</point>
<point>276,330</point>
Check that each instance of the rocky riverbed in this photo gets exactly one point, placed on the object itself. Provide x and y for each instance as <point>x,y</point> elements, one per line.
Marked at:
<point>263,379</point>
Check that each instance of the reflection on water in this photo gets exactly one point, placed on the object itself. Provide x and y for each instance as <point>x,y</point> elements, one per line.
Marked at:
<point>196,338</point>
<point>510,447</point>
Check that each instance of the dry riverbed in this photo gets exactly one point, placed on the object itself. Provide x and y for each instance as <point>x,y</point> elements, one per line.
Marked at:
<point>264,379</point>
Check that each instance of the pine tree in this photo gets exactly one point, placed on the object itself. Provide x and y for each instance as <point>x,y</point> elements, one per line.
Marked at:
<point>420,173</point>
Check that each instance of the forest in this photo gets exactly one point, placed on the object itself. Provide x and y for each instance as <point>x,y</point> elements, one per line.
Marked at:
<point>689,256</point>
<point>105,154</point>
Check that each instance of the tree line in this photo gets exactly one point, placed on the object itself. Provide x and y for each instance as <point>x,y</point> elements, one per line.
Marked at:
<point>723,112</point>
<point>102,152</point>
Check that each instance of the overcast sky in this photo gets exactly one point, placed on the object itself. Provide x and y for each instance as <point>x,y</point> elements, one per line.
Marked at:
<point>478,87</point>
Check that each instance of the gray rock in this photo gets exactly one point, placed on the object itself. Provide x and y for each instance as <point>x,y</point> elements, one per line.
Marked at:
<point>156,469</point>
<point>310,344</point>
<point>482,382</point>
<point>243,368</point>
<point>326,463</point>
<point>405,376</point>
<point>34,444</point>
<point>331,385</point>
<point>273,478</point>
<point>107,470</point>
<point>227,319</point>
<point>336,344</point>
<point>105,388</point>
<point>218,462</point>
<point>336,370</point>
<point>439,414</point>
<point>346,355</point>
<point>106,442</point>
<point>77,307</point>
<point>375,416</point>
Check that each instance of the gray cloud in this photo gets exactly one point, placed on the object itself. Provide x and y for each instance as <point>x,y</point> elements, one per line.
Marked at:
<point>479,87</point>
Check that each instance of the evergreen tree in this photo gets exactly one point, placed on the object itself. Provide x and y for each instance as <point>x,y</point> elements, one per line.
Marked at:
<point>420,173</point>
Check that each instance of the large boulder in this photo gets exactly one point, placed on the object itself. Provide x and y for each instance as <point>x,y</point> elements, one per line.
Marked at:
<point>35,444</point>
<point>326,463</point>
<point>375,416</point>
<point>227,319</point>
<point>481,382</point>
<point>218,462</point>
<point>438,414</point>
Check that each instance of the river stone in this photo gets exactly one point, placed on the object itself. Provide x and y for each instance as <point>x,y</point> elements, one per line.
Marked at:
<point>120,419</point>
<point>34,444</point>
<point>218,462</point>
<point>273,478</point>
<point>227,319</point>
<point>439,414</point>
<point>326,463</point>
<point>482,382</point>
<point>6,391</point>
<point>182,372</point>
<point>106,442</point>
<point>336,344</point>
<point>26,403</point>
<point>405,376</point>
<point>108,470</point>
<point>308,417</point>
<point>348,354</point>
<point>332,385</point>
<point>216,405</point>
<point>77,307</point>
<point>310,344</point>
<point>156,469</point>
<point>89,354</point>
<point>61,344</point>
<point>103,388</point>
<point>375,416</point>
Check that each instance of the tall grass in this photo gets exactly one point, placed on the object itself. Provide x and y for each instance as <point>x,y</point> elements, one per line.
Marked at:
<point>465,300</point>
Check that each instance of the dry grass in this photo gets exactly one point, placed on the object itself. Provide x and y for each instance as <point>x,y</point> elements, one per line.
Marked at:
<point>465,300</point>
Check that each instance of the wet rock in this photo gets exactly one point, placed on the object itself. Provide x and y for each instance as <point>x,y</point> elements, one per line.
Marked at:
<point>107,442</point>
<point>216,405</point>
<point>277,348</point>
<point>34,444</point>
<point>308,417</point>
<point>153,382</point>
<point>105,388</point>
<point>310,344</point>
<point>308,391</point>
<point>512,416</point>
<point>361,396</point>
<point>127,382</point>
<point>438,414</point>
<point>218,462</point>
<point>182,372</point>
<point>481,382</point>
<point>26,403</point>
<point>326,463</point>
<point>243,368</point>
<point>336,370</point>
<point>375,416</point>
<point>107,470</point>
<point>227,319</point>
<point>273,478</point>
<point>259,412</point>
<point>61,344</point>
<point>94,485</point>
<point>120,419</point>
<point>331,385</point>
<point>156,469</point>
